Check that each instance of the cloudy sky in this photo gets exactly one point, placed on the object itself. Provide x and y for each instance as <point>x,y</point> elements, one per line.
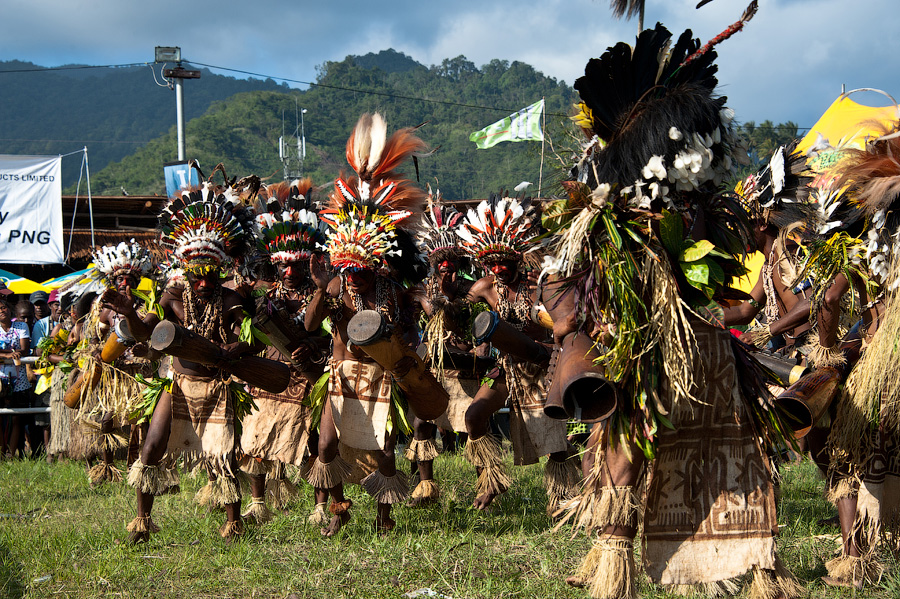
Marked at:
<point>788,64</point>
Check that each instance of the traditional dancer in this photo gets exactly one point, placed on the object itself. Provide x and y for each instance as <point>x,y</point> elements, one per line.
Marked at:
<point>104,409</point>
<point>378,260</point>
<point>646,243</point>
<point>196,416</point>
<point>776,199</point>
<point>278,433</point>
<point>499,233</point>
<point>858,254</point>
<point>447,337</point>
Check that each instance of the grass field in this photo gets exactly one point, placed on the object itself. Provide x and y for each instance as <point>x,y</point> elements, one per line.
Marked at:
<point>60,538</point>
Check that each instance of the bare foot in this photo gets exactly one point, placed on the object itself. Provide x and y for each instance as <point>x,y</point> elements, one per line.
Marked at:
<point>421,501</point>
<point>483,501</point>
<point>335,525</point>
<point>576,581</point>
<point>341,515</point>
<point>836,582</point>
<point>385,524</point>
<point>136,538</point>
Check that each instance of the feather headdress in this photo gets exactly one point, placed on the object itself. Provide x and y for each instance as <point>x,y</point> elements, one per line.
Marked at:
<point>209,226</point>
<point>779,193</point>
<point>288,228</point>
<point>499,228</point>
<point>110,261</point>
<point>439,236</point>
<point>373,215</point>
<point>871,178</point>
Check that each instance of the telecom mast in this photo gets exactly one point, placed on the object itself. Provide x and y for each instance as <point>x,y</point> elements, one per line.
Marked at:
<point>292,148</point>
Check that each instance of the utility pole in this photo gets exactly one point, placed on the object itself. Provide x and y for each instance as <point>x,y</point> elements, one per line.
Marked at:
<point>176,77</point>
<point>291,158</point>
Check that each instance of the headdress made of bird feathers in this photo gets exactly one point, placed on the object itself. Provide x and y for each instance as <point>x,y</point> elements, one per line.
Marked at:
<point>287,226</point>
<point>209,226</point>
<point>648,235</point>
<point>110,261</point>
<point>439,237</point>
<point>499,228</point>
<point>374,215</point>
<point>779,194</point>
<point>871,177</point>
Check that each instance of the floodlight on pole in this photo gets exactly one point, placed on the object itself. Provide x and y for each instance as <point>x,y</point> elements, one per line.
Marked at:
<point>178,74</point>
<point>302,135</point>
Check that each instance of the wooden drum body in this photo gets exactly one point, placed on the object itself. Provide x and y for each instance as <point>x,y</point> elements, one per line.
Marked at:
<point>175,340</point>
<point>488,326</point>
<point>90,376</point>
<point>578,387</point>
<point>807,400</point>
<point>370,332</point>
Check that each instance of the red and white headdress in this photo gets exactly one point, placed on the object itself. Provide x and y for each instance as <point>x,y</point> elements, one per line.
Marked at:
<point>499,228</point>
<point>288,227</point>
<point>439,237</point>
<point>372,215</point>
<point>111,261</point>
<point>208,226</point>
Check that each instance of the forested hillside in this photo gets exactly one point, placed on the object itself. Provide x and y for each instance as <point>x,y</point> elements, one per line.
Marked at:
<point>460,98</point>
<point>112,111</point>
<point>238,122</point>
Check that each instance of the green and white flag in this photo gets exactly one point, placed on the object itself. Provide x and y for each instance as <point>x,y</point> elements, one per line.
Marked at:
<point>520,126</point>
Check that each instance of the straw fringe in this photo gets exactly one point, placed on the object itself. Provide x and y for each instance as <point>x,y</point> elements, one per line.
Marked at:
<point>561,480</point>
<point>599,509</point>
<point>142,524</point>
<point>426,489</point>
<point>152,480</point>
<point>257,511</point>
<point>824,357</point>
<point>219,492</point>
<point>232,529</point>
<point>281,492</point>
<point>330,475</point>
<point>484,453</point>
<point>720,588</point>
<point>254,466</point>
<point>608,569</point>
<point>841,488</point>
<point>424,450</point>
<point>778,583</point>
<point>319,517</point>
<point>854,570</point>
<point>386,489</point>
<point>104,472</point>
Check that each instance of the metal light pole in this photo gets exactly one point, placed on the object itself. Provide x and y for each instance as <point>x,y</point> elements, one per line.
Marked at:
<point>302,147</point>
<point>302,134</point>
<point>179,74</point>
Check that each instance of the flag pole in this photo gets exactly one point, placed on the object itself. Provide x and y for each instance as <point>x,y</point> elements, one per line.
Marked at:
<point>543,127</point>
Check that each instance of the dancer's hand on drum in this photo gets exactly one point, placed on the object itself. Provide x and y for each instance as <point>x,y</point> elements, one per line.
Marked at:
<point>117,302</point>
<point>403,366</point>
<point>318,271</point>
<point>747,337</point>
<point>302,353</point>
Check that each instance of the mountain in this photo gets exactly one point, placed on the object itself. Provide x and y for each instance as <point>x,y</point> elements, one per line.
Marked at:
<point>112,111</point>
<point>452,99</point>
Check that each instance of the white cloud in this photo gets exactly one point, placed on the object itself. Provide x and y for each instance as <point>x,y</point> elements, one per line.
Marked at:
<point>788,63</point>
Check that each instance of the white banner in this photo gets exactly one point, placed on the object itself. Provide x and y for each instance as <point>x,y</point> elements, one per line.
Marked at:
<point>31,229</point>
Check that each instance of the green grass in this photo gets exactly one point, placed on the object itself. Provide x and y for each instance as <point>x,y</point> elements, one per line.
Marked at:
<point>54,525</point>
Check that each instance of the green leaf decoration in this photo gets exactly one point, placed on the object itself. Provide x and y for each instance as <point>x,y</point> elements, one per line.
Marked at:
<point>711,312</point>
<point>696,251</point>
<point>671,232</point>
<point>697,273</point>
